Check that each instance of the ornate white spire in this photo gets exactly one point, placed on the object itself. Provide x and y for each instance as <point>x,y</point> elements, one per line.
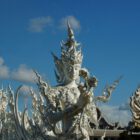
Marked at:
<point>70,55</point>
<point>71,39</point>
<point>70,32</point>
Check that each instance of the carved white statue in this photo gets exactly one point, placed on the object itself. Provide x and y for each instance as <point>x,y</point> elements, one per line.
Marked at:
<point>70,103</point>
<point>63,112</point>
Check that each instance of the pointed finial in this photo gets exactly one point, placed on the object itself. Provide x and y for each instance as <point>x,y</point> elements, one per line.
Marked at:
<point>70,31</point>
<point>71,40</point>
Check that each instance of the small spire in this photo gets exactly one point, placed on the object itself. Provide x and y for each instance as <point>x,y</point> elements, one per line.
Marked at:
<point>70,31</point>
<point>71,39</point>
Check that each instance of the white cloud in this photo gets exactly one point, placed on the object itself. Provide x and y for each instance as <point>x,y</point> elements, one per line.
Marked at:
<point>4,70</point>
<point>25,89</point>
<point>125,106</point>
<point>1,61</point>
<point>114,114</point>
<point>39,24</point>
<point>24,74</point>
<point>73,22</point>
<point>25,92</point>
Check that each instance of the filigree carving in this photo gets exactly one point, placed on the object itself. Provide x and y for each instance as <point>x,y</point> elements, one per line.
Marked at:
<point>135,108</point>
<point>63,112</point>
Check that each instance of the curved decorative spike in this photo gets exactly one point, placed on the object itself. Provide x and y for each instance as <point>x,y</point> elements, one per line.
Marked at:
<point>54,56</point>
<point>23,118</point>
<point>40,81</point>
<point>62,43</point>
<point>10,89</point>
<point>108,91</point>
<point>57,76</point>
<point>16,102</point>
<point>26,134</point>
<point>16,115</point>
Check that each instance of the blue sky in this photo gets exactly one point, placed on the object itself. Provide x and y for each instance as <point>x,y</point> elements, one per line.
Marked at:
<point>109,32</point>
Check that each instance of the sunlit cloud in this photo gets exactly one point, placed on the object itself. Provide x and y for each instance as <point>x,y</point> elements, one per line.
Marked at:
<point>4,70</point>
<point>74,22</point>
<point>1,61</point>
<point>115,114</point>
<point>125,106</point>
<point>39,24</point>
<point>25,89</point>
<point>24,74</point>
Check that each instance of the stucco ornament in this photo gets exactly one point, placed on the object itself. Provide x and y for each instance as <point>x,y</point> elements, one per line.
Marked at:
<point>63,112</point>
<point>70,103</point>
<point>70,106</point>
<point>135,108</point>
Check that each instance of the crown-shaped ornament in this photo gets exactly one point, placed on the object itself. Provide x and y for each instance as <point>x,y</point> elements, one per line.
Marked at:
<point>70,53</point>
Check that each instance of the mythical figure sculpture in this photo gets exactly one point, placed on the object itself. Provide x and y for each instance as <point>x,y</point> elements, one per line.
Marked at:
<point>70,104</point>
<point>63,112</point>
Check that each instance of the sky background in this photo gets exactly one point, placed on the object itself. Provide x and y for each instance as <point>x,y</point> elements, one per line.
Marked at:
<point>108,30</point>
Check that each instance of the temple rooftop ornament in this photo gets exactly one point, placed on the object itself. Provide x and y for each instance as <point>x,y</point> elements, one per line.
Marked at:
<point>66,111</point>
<point>71,39</point>
<point>135,108</point>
